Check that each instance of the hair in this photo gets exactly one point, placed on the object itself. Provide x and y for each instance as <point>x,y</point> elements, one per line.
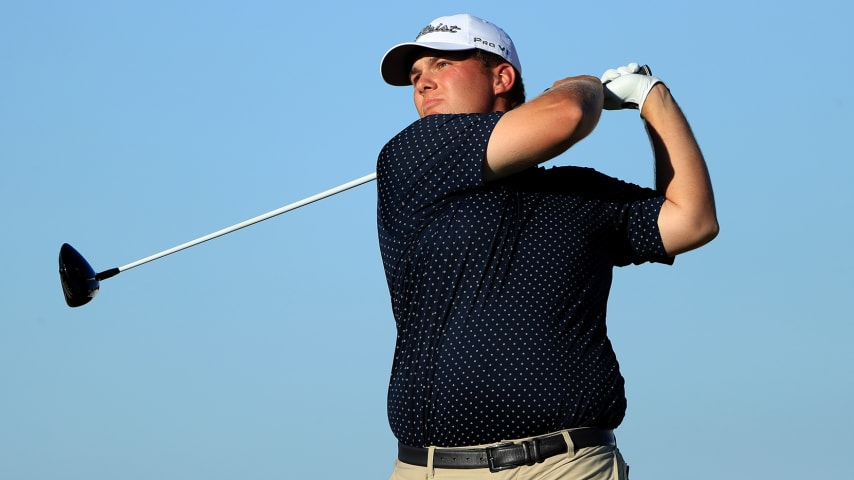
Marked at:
<point>516,96</point>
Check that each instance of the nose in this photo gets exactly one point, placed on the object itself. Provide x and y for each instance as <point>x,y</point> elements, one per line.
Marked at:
<point>424,83</point>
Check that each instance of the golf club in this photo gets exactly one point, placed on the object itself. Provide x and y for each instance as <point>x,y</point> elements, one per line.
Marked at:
<point>80,283</point>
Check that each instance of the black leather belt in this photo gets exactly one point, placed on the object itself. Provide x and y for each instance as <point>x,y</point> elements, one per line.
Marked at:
<point>507,455</point>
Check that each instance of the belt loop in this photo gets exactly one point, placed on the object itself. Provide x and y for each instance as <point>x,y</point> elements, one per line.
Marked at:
<point>570,447</point>
<point>431,451</point>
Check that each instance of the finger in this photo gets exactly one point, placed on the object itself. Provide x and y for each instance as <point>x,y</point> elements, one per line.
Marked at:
<point>609,75</point>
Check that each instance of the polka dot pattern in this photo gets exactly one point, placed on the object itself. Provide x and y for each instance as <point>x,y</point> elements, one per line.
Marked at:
<point>499,290</point>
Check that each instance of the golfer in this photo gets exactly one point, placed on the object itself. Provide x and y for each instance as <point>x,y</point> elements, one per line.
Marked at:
<point>499,269</point>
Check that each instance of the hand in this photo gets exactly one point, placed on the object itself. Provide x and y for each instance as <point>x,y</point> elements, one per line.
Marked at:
<point>627,87</point>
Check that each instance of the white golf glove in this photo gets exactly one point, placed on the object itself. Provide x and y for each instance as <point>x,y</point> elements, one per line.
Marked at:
<point>627,87</point>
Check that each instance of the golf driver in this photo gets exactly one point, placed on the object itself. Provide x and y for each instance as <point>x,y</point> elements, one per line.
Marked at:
<point>80,283</point>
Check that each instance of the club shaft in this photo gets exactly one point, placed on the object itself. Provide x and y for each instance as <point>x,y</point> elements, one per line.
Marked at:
<point>254,220</point>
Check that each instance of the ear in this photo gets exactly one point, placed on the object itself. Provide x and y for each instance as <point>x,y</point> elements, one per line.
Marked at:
<point>504,78</point>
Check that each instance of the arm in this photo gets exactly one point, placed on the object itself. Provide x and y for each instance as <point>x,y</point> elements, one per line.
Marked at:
<point>687,219</point>
<point>545,127</point>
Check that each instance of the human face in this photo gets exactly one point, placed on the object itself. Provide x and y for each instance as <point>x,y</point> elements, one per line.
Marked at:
<point>451,82</point>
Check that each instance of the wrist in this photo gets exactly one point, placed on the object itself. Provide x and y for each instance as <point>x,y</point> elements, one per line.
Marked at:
<point>655,99</point>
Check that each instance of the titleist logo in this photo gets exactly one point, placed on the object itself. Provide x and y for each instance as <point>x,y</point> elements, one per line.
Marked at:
<point>438,28</point>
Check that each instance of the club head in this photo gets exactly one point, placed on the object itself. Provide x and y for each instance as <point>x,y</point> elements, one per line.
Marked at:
<point>79,282</point>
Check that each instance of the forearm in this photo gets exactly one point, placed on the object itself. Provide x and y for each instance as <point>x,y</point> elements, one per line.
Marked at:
<point>688,218</point>
<point>585,94</point>
<point>545,127</point>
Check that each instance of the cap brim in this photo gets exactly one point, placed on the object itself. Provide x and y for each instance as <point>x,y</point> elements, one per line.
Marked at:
<point>397,62</point>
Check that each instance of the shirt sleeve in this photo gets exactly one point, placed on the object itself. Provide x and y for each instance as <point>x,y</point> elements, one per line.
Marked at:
<point>640,238</point>
<point>634,209</point>
<point>424,166</point>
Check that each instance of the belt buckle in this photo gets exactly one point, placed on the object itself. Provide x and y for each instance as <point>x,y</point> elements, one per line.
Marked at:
<point>490,459</point>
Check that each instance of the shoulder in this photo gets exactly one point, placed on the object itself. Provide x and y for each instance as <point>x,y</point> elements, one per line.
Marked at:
<point>451,124</point>
<point>441,135</point>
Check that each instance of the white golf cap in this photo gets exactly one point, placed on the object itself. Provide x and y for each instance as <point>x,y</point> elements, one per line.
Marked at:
<point>451,33</point>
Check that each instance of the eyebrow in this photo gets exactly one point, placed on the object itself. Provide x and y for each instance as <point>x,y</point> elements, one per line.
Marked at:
<point>432,59</point>
<point>437,55</point>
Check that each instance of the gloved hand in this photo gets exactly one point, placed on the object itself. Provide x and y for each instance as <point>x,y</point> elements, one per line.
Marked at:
<point>627,87</point>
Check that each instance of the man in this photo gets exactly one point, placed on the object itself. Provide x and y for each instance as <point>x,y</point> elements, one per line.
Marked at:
<point>499,270</point>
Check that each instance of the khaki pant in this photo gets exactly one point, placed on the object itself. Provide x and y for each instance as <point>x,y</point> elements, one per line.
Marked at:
<point>592,463</point>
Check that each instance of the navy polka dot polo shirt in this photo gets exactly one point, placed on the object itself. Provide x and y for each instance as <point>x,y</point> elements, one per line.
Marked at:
<point>499,289</point>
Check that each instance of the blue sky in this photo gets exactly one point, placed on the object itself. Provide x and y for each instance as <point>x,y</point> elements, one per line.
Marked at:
<point>129,127</point>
